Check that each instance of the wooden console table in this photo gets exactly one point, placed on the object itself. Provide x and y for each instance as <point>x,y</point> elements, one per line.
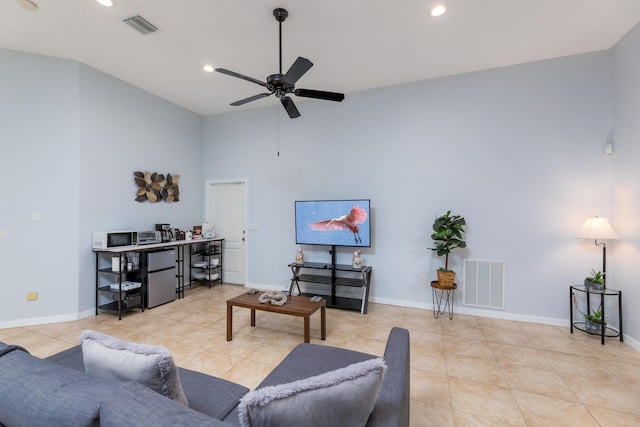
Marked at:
<point>295,306</point>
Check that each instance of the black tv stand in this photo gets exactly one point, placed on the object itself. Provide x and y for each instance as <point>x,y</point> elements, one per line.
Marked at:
<point>334,275</point>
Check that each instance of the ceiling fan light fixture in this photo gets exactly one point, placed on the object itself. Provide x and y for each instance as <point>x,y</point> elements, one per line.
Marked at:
<point>438,10</point>
<point>106,3</point>
<point>28,5</point>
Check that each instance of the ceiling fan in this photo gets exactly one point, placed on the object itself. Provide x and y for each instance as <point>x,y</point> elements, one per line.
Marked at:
<point>283,84</point>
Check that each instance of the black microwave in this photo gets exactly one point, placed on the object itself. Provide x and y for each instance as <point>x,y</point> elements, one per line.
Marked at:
<point>112,239</point>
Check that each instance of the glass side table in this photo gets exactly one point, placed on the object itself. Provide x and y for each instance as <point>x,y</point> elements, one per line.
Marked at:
<point>601,294</point>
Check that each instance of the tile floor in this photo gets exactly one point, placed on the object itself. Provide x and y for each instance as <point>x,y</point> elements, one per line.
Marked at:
<point>469,371</point>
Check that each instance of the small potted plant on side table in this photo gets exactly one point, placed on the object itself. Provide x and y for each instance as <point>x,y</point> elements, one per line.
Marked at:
<point>594,322</point>
<point>447,236</point>
<point>595,281</point>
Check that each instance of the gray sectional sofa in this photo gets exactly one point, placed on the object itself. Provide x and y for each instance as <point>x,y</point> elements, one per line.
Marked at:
<point>56,391</point>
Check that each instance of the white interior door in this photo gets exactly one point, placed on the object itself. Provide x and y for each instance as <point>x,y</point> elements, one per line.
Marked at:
<point>226,211</point>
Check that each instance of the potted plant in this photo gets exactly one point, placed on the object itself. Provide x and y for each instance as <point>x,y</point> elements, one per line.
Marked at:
<point>595,281</point>
<point>447,236</point>
<point>594,322</point>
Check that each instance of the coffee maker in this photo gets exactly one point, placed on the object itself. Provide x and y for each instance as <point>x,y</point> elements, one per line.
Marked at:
<point>165,232</point>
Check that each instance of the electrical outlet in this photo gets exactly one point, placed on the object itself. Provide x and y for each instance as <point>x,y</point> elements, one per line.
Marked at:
<point>3,234</point>
<point>32,296</point>
<point>423,278</point>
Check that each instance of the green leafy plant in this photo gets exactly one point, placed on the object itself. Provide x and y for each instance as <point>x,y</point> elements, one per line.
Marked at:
<point>595,277</point>
<point>595,316</point>
<point>447,235</point>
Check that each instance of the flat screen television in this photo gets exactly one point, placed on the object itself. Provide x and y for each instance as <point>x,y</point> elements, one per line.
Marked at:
<point>333,222</point>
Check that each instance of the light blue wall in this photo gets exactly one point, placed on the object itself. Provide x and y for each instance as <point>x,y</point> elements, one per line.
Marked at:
<point>72,138</point>
<point>125,129</point>
<point>518,151</point>
<point>39,172</point>
<point>625,256</point>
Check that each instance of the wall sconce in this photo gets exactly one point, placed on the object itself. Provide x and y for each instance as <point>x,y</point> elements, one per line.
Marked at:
<point>598,229</point>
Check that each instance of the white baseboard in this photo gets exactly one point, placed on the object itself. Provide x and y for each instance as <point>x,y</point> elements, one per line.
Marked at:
<point>631,342</point>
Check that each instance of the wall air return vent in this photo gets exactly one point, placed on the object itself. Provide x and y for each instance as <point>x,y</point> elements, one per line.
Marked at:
<point>484,283</point>
<point>140,24</point>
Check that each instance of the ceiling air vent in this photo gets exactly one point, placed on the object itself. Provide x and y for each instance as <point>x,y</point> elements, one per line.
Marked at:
<point>140,24</point>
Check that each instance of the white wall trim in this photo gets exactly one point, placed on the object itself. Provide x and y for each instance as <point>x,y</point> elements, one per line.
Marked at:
<point>46,320</point>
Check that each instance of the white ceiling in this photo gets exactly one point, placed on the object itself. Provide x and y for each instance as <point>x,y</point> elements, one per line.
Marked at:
<point>354,44</point>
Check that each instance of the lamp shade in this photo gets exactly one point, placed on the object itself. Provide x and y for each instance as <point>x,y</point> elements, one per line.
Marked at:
<point>598,229</point>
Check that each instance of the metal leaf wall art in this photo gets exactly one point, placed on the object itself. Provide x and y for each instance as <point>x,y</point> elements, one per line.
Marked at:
<point>155,187</point>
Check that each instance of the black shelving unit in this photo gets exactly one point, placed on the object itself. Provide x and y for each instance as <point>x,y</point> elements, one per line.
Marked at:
<point>206,262</point>
<point>118,299</point>
<point>334,275</point>
<point>600,295</point>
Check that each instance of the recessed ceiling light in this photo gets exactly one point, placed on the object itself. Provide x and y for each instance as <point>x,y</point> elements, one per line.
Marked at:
<point>106,3</point>
<point>439,10</point>
<point>208,68</point>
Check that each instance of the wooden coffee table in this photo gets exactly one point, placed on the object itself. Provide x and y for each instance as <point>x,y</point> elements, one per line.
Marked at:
<point>295,306</point>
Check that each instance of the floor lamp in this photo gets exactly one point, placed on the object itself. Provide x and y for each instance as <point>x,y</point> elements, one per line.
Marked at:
<point>598,229</point>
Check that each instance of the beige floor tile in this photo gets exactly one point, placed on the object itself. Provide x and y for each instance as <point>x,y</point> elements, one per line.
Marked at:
<point>484,400</point>
<point>467,329</point>
<point>605,394</point>
<point>270,353</point>
<point>417,323</point>
<point>375,332</point>
<point>368,345</point>
<point>469,371</point>
<point>424,414</point>
<point>506,336</point>
<point>6,335</point>
<point>209,362</point>
<point>610,418</point>
<point>249,373</point>
<point>463,346</point>
<point>544,411</point>
<point>48,346</point>
<point>429,339</point>
<point>573,366</point>
<point>539,381</point>
<point>525,356</point>
<point>431,388</point>
<point>464,419</point>
<point>556,343</point>
<point>498,324</point>
<point>473,368</point>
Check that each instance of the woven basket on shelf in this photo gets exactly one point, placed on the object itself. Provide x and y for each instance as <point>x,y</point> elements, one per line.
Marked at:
<point>446,278</point>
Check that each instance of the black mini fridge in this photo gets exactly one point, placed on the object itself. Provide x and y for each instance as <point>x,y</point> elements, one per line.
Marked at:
<point>161,277</point>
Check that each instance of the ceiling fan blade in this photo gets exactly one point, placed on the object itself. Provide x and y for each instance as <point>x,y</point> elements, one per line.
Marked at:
<point>249,99</point>
<point>288,105</point>
<point>319,94</point>
<point>297,70</point>
<point>240,76</point>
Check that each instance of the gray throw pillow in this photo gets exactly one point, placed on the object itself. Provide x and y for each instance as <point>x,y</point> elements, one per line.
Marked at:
<point>344,397</point>
<point>108,357</point>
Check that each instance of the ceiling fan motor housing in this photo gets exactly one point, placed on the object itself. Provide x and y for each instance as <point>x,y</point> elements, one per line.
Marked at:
<point>276,83</point>
<point>280,14</point>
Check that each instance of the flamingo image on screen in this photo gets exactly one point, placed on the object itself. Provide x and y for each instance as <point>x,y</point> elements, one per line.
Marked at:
<point>348,222</point>
<point>333,222</point>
